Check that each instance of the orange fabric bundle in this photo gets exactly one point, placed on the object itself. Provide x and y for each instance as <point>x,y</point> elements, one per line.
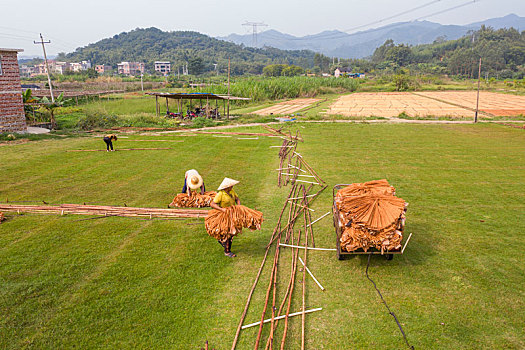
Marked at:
<point>195,200</point>
<point>223,225</point>
<point>371,216</point>
<point>370,187</point>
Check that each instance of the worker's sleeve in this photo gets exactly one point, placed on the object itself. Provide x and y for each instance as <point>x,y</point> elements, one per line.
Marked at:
<point>218,198</point>
<point>234,194</point>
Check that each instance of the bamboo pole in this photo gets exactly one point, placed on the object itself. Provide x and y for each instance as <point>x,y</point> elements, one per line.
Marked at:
<point>303,317</point>
<point>272,276</point>
<point>281,317</point>
<point>311,274</point>
<point>319,218</point>
<point>250,294</point>
<point>309,248</point>
<point>283,340</point>
<point>269,343</point>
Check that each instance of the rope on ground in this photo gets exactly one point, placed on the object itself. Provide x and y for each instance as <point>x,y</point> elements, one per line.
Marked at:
<point>384,302</point>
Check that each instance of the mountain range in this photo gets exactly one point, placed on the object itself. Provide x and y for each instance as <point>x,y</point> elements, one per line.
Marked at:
<point>362,44</point>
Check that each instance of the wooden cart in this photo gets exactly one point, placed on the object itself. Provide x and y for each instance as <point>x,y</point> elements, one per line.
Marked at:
<point>341,254</point>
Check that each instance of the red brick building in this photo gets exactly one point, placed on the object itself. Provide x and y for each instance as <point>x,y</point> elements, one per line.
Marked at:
<point>12,117</point>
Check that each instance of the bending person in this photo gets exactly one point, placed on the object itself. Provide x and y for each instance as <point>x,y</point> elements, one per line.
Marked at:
<point>108,140</point>
<point>192,182</point>
<point>224,198</point>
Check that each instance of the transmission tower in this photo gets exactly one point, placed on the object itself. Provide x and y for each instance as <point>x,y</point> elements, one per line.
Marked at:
<point>254,25</point>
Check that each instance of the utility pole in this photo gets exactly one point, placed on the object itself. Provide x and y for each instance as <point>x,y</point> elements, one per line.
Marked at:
<point>254,30</point>
<point>47,65</point>
<point>477,101</point>
<point>228,113</point>
<point>141,82</point>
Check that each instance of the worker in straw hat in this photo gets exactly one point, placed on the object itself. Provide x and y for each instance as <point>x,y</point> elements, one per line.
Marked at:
<point>224,198</point>
<point>192,182</point>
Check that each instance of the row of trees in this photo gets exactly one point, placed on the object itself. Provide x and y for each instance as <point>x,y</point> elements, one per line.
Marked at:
<point>502,52</point>
<point>277,70</point>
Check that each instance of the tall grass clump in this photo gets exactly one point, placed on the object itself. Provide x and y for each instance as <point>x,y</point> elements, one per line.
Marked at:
<point>276,88</point>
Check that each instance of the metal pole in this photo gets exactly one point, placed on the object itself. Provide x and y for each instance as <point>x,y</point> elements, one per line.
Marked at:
<point>477,100</point>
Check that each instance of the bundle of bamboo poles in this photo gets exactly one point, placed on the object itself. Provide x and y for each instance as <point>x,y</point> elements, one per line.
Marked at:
<point>225,224</point>
<point>194,200</point>
<point>371,216</point>
<point>2,217</point>
<point>79,209</point>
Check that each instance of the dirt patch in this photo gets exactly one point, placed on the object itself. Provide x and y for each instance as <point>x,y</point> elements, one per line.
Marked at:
<point>391,104</point>
<point>287,107</point>
<point>455,104</point>
<point>489,102</point>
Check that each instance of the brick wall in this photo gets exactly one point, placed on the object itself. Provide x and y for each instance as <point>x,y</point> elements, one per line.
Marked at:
<point>12,117</point>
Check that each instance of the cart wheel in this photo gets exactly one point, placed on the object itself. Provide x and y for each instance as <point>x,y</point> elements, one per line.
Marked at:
<point>389,256</point>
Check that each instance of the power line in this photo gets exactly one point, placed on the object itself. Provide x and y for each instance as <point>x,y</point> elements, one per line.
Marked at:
<point>393,16</point>
<point>343,36</point>
<point>449,9</point>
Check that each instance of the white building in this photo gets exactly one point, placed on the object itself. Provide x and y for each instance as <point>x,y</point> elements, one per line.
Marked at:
<point>163,67</point>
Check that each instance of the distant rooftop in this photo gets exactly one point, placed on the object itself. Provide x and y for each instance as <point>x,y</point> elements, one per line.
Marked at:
<point>195,96</point>
<point>11,50</point>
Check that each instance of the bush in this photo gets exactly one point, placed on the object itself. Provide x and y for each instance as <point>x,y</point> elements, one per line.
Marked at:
<point>201,122</point>
<point>97,120</point>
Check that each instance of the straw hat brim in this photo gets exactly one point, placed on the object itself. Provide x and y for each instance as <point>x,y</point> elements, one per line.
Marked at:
<point>227,182</point>
<point>193,174</point>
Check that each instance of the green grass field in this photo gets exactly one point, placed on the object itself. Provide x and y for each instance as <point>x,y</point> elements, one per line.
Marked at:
<point>117,283</point>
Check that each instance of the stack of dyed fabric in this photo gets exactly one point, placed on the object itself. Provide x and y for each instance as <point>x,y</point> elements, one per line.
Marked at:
<point>195,200</point>
<point>371,216</point>
<point>222,225</point>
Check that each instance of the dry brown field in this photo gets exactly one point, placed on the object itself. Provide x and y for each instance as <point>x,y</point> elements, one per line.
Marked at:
<point>489,102</point>
<point>438,104</point>
<point>287,106</point>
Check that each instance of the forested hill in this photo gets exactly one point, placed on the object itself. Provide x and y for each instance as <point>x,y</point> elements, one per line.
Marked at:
<point>197,50</point>
<point>502,52</point>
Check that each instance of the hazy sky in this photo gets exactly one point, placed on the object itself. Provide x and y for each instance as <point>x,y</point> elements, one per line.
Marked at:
<point>70,23</point>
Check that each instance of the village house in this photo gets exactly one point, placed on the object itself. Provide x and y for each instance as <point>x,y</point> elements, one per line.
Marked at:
<point>342,71</point>
<point>102,68</point>
<point>163,67</point>
<point>347,72</point>
<point>12,116</point>
<point>130,68</point>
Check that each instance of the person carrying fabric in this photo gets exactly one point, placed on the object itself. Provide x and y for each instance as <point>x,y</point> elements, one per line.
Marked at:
<point>192,182</point>
<point>224,198</point>
<point>108,140</point>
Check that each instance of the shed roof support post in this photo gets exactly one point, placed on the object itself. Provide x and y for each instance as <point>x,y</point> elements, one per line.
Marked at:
<point>167,106</point>
<point>157,106</point>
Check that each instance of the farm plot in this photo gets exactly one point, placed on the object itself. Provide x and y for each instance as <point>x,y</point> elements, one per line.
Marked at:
<point>287,106</point>
<point>115,282</point>
<point>489,102</point>
<point>391,104</point>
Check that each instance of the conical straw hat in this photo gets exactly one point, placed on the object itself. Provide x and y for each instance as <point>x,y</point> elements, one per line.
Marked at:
<point>227,182</point>
<point>193,179</point>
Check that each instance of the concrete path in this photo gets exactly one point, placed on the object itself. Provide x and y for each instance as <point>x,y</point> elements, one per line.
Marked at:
<point>35,130</point>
